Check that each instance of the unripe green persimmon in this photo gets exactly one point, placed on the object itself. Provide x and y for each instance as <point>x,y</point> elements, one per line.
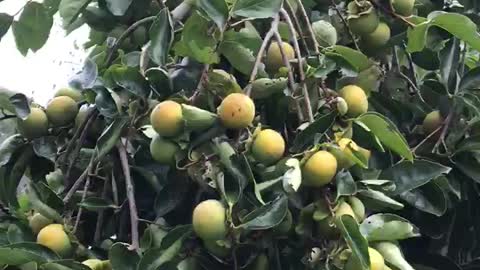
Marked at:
<point>54,237</point>
<point>261,263</point>
<point>319,169</point>
<point>70,92</point>
<point>403,7</point>
<point>362,18</point>
<point>378,38</point>
<point>96,264</point>
<point>36,124</point>
<point>432,122</point>
<point>209,220</point>
<point>268,146</point>
<point>356,99</point>
<point>344,209</point>
<point>274,56</point>
<point>38,222</point>
<point>163,151</point>
<point>325,33</point>
<point>61,111</point>
<point>167,118</point>
<point>236,111</point>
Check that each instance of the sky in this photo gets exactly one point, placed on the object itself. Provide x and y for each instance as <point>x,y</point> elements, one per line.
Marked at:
<point>39,74</point>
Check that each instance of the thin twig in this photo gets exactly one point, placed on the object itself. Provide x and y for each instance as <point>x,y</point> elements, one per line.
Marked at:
<point>130,195</point>
<point>304,15</point>
<point>198,89</point>
<point>80,209</point>
<point>306,95</point>
<point>79,181</point>
<point>391,13</point>
<point>345,23</point>
<point>124,35</point>
<point>291,79</point>
<point>78,146</point>
<point>262,49</point>
<point>101,215</point>
<point>411,66</point>
<point>446,125</point>
<point>290,10</point>
<point>426,139</point>
<point>114,190</point>
<point>8,116</point>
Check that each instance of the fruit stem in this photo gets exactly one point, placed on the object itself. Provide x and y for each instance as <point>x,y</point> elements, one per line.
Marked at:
<point>130,195</point>
<point>301,71</point>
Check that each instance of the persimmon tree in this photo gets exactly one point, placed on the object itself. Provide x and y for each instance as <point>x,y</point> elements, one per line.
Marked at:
<point>247,134</point>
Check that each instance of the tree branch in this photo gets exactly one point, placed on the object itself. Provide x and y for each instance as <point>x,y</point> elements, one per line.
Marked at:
<point>262,49</point>
<point>78,146</point>
<point>290,10</point>
<point>304,15</point>
<point>101,215</point>
<point>130,195</point>
<point>79,181</point>
<point>306,95</point>
<point>345,23</point>
<point>80,209</point>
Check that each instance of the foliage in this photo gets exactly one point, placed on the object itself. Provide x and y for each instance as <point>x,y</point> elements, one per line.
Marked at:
<point>406,189</point>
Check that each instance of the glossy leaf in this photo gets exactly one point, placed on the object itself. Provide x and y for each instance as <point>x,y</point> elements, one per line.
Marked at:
<point>21,105</point>
<point>355,241</point>
<point>256,9</point>
<point>387,133</point>
<point>387,227</point>
<point>96,204</point>
<point>118,7</point>
<point>317,128</point>
<point>32,29</point>
<point>217,10</point>
<point>70,10</point>
<point>408,176</point>
<point>122,258</point>
<point>267,216</point>
<point>9,146</point>
<point>161,34</point>
<point>5,22</point>
<point>110,137</point>
<point>20,253</point>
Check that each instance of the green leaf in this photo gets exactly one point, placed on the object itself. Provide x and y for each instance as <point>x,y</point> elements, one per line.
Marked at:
<point>32,29</point>
<point>156,257</point>
<point>64,265</point>
<point>217,10</point>
<point>96,204</point>
<point>233,181</point>
<point>449,62</point>
<point>345,184</point>
<point>241,58</point>
<point>429,198</point>
<point>456,24</point>
<point>110,136</point>
<point>41,207</point>
<point>118,7</point>
<point>122,258</point>
<point>160,80</point>
<point>19,233</point>
<point>411,175</point>
<point>70,10</point>
<point>378,200</point>
<point>161,35</point>
<point>9,146</point>
<point>86,77</point>
<point>130,79</point>
<point>171,195</point>
<point>387,227</point>
<point>21,106</point>
<point>317,128</point>
<point>470,80</point>
<point>387,133</point>
<point>5,22</point>
<point>197,41</point>
<point>20,253</point>
<point>256,9</point>
<point>353,58</point>
<point>267,216</point>
<point>45,147</point>
<point>355,241</point>
<point>470,144</point>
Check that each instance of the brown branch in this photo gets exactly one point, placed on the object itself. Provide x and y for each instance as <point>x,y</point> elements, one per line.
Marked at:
<point>89,120</point>
<point>304,15</point>
<point>291,79</point>
<point>79,181</point>
<point>306,95</point>
<point>345,23</point>
<point>262,49</point>
<point>101,215</point>
<point>80,209</point>
<point>426,139</point>
<point>446,125</point>
<point>130,195</point>
<point>392,13</point>
<point>296,22</point>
